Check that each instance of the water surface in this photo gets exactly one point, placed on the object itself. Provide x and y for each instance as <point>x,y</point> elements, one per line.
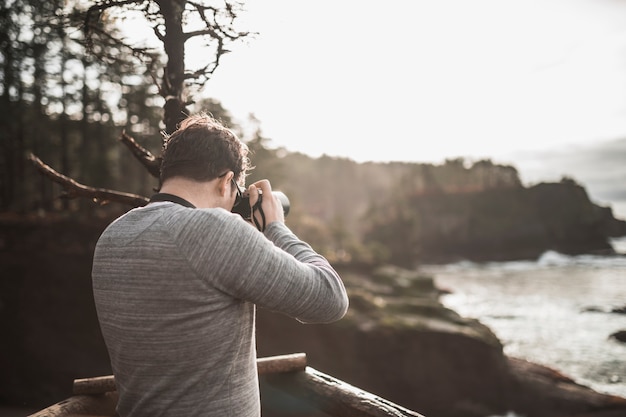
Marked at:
<point>555,311</point>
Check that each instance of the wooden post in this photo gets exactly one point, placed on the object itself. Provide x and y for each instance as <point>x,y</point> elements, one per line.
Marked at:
<point>270,365</point>
<point>280,364</point>
<point>96,385</point>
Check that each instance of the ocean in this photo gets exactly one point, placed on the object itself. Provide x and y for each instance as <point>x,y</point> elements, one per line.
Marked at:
<point>556,311</point>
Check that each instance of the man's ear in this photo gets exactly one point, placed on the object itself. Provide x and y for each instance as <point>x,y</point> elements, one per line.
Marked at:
<point>223,184</point>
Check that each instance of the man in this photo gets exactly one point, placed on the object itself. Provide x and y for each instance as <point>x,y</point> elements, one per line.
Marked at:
<point>176,282</point>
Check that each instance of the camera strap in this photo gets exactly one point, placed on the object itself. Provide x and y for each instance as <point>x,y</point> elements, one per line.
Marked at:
<point>178,200</point>
<point>170,197</point>
<point>255,208</point>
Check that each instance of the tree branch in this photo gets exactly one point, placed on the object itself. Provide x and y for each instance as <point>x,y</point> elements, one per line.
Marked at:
<point>216,32</point>
<point>148,160</point>
<point>73,189</point>
<point>98,8</point>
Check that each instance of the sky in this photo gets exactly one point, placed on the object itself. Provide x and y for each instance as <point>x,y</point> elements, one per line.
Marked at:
<point>423,81</point>
<point>428,80</point>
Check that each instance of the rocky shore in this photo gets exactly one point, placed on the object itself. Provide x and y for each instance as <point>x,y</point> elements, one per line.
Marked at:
<point>397,341</point>
<point>400,342</point>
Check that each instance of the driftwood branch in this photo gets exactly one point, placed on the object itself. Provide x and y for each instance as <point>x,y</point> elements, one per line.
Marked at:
<point>145,157</point>
<point>74,189</point>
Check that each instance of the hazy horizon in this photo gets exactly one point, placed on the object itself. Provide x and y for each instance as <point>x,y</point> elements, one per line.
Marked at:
<point>424,81</point>
<point>525,82</point>
<point>599,167</point>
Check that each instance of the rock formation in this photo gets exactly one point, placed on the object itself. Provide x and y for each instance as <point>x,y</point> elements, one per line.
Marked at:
<point>399,342</point>
<point>620,336</point>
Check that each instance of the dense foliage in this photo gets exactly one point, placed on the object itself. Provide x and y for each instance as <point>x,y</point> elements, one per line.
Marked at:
<point>69,88</point>
<point>71,81</point>
<point>67,105</point>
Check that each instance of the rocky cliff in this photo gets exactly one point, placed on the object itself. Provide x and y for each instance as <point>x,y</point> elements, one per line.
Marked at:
<point>397,341</point>
<point>496,224</point>
<point>405,213</point>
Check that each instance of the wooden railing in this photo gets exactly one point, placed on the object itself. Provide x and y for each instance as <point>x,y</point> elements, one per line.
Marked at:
<point>288,373</point>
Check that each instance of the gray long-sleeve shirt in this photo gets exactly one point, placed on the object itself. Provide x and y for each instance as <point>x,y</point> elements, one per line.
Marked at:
<point>175,291</point>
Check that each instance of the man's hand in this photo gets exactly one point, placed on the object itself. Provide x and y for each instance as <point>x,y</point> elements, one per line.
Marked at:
<point>271,206</point>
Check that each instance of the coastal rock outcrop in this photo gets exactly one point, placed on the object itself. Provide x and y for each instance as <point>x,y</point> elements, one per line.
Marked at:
<point>620,336</point>
<point>497,225</point>
<point>619,310</point>
<point>399,342</point>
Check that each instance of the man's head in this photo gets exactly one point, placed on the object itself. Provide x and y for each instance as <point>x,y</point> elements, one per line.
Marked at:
<point>202,149</point>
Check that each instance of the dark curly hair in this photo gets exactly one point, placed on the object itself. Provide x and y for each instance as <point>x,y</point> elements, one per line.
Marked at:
<point>202,149</point>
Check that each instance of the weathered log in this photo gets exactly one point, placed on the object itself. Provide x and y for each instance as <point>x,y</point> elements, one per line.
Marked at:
<point>82,405</point>
<point>273,364</point>
<point>282,363</point>
<point>335,397</point>
<point>96,385</point>
<point>288,373</point>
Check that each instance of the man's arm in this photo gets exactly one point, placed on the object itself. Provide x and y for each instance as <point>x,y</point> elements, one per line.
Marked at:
<point>275,270</point>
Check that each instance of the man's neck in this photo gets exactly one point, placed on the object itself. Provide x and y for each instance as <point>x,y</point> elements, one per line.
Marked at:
<point>170,197</point>
<point>200,194</point>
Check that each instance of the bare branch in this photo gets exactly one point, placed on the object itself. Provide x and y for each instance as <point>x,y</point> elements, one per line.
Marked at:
<point>148,160</point>
<point>216,32</point>
<point>98,8</point>
<point>160,36</point>
<point>138,52</point>
<point>93,13</point>
<point>73,189</point>
<point>91,29</point>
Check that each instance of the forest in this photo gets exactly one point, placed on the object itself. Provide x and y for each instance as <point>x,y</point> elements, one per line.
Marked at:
<point>79,99</point>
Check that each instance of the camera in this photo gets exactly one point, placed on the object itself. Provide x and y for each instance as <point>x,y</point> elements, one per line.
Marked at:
<point>243,208</point>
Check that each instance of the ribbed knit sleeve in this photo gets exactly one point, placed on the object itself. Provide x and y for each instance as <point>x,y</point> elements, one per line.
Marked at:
<point>277,271</point>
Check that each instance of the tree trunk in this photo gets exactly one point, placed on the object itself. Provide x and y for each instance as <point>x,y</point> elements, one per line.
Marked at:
<point>174,74</point>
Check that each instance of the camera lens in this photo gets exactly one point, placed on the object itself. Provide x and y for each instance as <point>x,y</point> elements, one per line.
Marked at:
<point>243,208</point>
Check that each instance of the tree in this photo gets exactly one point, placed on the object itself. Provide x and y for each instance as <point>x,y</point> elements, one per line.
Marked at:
<point>28,41</point>
<point>168,19</point>
<point>10,137</point>
<point>174,23</point>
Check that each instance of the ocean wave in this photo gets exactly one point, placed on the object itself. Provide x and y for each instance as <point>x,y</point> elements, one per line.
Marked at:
<point>543,311</point>
<point>619,244</point>
<point>556,259</point>
<point>549,259</point>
